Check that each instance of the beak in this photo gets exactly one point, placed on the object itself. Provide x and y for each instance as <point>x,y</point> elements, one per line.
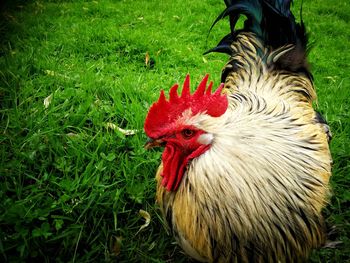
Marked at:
<point>150,143</point>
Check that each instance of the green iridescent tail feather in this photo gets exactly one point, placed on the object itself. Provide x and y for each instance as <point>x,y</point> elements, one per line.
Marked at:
<point>273,23</point>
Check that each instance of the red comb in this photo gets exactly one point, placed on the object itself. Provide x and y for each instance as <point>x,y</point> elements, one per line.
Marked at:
<point>163,113</point>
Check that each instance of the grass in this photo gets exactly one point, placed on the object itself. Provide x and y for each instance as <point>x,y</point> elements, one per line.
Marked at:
<point>72,183</point>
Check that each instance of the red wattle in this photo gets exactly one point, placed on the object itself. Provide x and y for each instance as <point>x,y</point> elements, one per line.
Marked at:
<point>174,164</point>
<point>173,167</point>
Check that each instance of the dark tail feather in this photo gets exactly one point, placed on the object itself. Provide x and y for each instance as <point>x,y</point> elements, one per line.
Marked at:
<point>280,25</point>
<point>251,9</point>
<point>224,46</point>
<point>273,23</point>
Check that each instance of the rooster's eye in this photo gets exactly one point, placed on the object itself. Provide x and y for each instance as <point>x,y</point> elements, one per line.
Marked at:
<point>187,133</point>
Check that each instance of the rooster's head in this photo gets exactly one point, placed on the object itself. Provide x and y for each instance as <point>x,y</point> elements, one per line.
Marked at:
<point>174,125</point>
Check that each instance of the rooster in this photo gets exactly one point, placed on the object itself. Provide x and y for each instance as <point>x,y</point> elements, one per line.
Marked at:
<point>245,169</point>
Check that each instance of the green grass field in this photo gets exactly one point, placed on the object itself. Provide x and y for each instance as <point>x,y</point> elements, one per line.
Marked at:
<point>74,82</point>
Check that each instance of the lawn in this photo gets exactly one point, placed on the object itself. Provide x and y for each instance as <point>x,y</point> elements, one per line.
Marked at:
<point>76,81</point>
